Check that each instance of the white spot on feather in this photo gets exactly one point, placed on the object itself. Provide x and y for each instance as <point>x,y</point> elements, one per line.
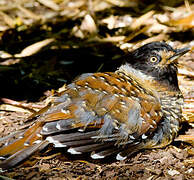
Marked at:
<point>120,158</point>
<point>116,95</point>
<point>174,114</point>
<point>80,130</point>
<point>154,122</point>
<point>58,126</point>
<point>144,136</point>
<point>131,137</point>
<point>97,90</point>
<point>44,128</point>
<point>83,103</point>
<point>93,113</point>
<point>37,142</point>
<point>65,111</point>
<point>51,140</point>
<point>93,77</point>
<point>58,144</point>
<point>26,144</point>
<point>105,92</point>
<point>106,83</point>
<point>121,95</point>
<point>73,151</point>
<point>104,109</point>
<point>148,115</point>
<point>151,126</point>
<point>122,102</point>
<point>123,89</point>
<point>118,111</point>
<point>102,78</point>
<point>39,135</point>
<point>96,156</point>
<point>160,114</point>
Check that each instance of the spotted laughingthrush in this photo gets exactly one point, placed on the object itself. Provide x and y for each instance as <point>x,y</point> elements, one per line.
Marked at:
<point>111,113</point>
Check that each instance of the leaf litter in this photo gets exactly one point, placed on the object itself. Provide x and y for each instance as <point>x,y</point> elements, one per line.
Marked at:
<point>37,37</point>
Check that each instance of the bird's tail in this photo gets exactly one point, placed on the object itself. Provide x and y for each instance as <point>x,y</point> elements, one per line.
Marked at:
<point>20,145</point>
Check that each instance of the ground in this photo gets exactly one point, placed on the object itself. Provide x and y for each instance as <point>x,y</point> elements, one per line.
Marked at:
<point>47,43</point>
<point>173,162</point>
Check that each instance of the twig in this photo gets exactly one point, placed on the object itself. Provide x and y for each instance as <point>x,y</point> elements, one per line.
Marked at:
<point>27,106</point>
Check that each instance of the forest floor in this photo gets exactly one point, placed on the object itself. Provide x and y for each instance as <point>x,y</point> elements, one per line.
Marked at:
<point>44,46</point>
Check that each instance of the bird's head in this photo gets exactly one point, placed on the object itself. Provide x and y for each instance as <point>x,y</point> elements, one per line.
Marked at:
<point>158,60</point>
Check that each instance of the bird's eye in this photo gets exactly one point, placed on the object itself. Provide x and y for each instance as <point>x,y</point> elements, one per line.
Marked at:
<point>153,59</point>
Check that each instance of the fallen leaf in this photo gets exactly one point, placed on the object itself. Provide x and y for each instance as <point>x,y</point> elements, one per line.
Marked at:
<point>183,23</point>
<point>34,48</point>
<point>172,172</point>
<point>7,107</point>
<point>141,20</point>
<point>50,4</point>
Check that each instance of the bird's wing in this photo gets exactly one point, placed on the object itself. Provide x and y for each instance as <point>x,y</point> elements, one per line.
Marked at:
<point>102,113</point>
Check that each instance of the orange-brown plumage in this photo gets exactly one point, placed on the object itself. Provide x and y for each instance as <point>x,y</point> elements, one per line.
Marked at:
<point>112,113</point>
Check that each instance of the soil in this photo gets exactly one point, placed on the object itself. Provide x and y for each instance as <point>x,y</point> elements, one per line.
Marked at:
<point>173,162</point>
<point>89,36</point>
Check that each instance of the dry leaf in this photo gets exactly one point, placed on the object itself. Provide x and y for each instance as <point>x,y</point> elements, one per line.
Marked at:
<point>122,3</point>
<point>182,23</point>
<point>49,157</point>
<point>88,24</point>
<point>29,13</point>
<point>107,39</point>
<point>118,21</point>
<point>34,48</point>
<point>134,34</point>
<point>8,20</point>
<point>141,20</point>
<point>173,172</point>
<point>5,55</point>
<point>50,4</point>
<point>7,107</point>
<point>189,137</point>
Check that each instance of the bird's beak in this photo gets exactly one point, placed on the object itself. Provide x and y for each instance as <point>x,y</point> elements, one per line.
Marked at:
<point>179,53</point>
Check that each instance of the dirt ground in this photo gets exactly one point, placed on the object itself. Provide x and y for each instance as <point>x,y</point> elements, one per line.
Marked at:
<point>173,162</point>
<point>46,43</point>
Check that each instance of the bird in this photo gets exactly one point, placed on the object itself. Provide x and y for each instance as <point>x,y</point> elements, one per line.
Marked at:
<point>109,114</point>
